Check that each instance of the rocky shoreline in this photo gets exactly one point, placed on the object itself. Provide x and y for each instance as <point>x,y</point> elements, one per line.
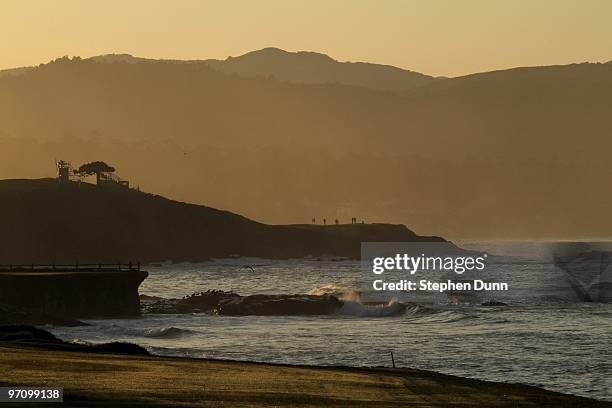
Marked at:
<point>223,303</point>
<point>232,304</point>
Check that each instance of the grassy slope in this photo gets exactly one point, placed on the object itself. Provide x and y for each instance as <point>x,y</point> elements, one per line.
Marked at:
<point>103,379</point>
<point>44,222</point>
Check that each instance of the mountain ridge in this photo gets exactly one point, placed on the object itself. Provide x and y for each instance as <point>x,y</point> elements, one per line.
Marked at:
<point>276,52</point>
<point>316,68</point>
<point>313,68</point>
<point>472,156</point>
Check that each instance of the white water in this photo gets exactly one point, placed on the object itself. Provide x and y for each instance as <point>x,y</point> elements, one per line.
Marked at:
<point>545,337</point>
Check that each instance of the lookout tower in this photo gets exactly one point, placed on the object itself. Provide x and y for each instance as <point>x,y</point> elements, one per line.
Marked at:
<point>64,169</point>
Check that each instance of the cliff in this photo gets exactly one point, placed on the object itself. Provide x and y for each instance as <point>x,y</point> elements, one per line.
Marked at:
<point>71,292</point>
<point>48,222</point>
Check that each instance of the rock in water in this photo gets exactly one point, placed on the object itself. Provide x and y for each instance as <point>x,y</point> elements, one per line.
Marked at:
<point>231,304</point>
<point>280,305</point>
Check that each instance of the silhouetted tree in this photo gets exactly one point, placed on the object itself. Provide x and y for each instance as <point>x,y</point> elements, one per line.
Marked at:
<point>96,167</point>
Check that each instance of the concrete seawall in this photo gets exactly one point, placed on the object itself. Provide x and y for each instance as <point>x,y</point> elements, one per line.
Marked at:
<point>76,293</point>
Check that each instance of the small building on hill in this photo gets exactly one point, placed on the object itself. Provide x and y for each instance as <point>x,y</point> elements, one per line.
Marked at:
<point>105,174</point>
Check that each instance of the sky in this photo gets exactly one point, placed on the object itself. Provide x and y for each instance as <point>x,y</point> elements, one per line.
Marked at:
<point>436,37</point>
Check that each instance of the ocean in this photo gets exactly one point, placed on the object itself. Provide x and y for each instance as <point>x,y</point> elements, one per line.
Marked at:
<point>547,335</point>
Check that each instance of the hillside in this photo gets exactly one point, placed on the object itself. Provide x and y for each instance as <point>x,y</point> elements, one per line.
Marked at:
<point>47,222</point>
<point>14,71</point>
<point>315,68</point>
<point>490,155</point>
<point>299,67</point>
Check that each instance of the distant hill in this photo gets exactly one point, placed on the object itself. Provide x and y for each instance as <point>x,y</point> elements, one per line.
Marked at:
<point>130,59</point>
<point>315,68</point>
<point>518,153</point>
<point>300,68</point>
<point>14,71</point>
<point>47,222</point>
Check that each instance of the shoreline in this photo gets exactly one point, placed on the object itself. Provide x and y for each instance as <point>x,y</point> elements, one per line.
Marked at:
<point>103,379</point>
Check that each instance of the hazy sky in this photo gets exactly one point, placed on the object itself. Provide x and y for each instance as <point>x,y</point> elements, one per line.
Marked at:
<point>435,37</point>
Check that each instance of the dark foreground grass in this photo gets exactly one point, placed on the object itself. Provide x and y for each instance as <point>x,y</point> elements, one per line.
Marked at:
<point>102,380</point>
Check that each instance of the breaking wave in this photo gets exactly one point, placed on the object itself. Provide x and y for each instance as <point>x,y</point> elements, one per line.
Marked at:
<point>343,293</point>
<point>166,332</point>
<point>355,308</point>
